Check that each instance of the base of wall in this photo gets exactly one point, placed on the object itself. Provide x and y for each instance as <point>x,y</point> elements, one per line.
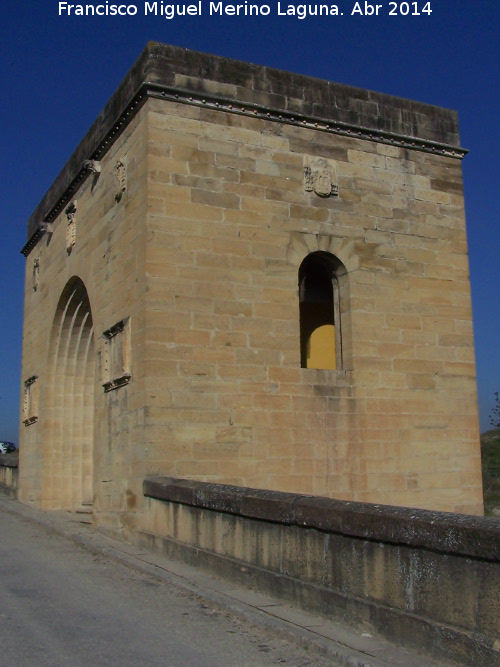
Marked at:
<point>391,571</point>
<point>401,629</point>
<point>9,474</point>
<point>8,491</point>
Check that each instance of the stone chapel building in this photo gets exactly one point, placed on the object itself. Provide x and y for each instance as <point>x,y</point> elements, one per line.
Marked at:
<point>252,277</point>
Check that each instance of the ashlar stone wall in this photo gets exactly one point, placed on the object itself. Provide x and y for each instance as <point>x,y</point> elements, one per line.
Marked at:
<point>162,312</point>
<point>83,442</point>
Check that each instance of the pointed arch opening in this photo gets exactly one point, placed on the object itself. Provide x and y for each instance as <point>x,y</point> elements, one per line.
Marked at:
<point>320,281</point>
<point>69,432</point>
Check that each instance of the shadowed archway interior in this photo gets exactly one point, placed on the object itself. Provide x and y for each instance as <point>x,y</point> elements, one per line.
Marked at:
<point>69,438</point>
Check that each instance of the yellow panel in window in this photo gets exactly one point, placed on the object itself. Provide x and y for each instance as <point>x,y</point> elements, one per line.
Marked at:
<point>321,348</point>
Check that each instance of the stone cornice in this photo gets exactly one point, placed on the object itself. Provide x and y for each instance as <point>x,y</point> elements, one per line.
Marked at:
<point>302,120</point>
<point>32,241</point>
<point>154,75</point>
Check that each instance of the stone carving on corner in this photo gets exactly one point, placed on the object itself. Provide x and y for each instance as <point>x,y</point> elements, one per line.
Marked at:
<point>121,177</point>
<point>319,177</point>
<point>47,228</point>
<point>94,166</point>
<point>71,227</point>
<point>36,273</point>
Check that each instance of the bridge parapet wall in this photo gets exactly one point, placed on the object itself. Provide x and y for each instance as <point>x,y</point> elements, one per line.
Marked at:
<point>430,580</point>
<point>9,474</point>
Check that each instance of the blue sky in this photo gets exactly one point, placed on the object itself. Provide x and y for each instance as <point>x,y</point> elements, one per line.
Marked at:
<point>58,71</point>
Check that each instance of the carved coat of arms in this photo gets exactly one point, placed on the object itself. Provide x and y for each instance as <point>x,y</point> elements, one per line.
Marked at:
<point>320,182</point>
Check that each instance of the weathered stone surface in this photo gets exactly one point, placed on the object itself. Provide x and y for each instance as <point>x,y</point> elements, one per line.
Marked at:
<point>478,537</point>
<point>9,460</point>
<point>9,474</point>
<point>429,580</point>
<point>189,71</point>
<point>167,341</point>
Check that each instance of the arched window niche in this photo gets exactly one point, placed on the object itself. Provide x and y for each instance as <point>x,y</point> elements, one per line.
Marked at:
<point>321,275</point>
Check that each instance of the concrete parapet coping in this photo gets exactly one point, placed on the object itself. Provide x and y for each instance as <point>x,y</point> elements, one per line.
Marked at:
<point>9,460</point>
<point>459,534</point>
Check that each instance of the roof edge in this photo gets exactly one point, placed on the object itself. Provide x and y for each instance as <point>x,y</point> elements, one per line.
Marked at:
<point>190,77</point>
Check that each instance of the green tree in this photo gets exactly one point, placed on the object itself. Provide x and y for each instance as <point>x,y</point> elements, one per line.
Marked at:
<point>495,413</point>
